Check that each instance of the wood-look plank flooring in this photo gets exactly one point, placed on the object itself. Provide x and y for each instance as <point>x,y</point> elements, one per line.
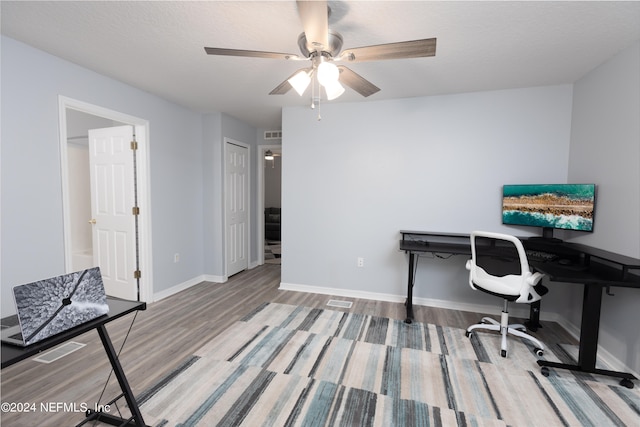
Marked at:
<point>171,330</point>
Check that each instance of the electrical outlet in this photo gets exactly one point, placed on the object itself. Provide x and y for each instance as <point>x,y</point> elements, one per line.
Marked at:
<point>360,262</point>
<point>176,257</point>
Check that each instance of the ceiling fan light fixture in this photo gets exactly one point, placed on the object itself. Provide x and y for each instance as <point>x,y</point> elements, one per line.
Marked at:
<point>268,155</point>
<point>328,73</point>
<point>334,90</point>
<point>300,81</point>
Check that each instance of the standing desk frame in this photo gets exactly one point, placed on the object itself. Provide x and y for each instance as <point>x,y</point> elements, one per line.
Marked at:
<point>117,309</point>
<point>594,268</point>
<point>418,242</point>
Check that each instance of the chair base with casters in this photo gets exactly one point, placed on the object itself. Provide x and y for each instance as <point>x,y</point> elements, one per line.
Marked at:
<point>499,267</point>
<point>515,329</point>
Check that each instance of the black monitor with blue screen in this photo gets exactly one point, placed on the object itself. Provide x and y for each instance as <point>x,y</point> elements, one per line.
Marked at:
<point>549,206</point>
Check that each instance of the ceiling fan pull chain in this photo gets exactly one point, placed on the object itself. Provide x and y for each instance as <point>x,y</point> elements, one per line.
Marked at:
<point>315,100</point>
<point>313,94</point>
<point>319,100</point>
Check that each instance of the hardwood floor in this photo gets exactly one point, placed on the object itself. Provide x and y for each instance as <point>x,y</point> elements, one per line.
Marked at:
<point>171,330</point>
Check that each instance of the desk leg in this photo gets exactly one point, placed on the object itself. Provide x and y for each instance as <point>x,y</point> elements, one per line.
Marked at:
<point>589,330</point>
<point>124,386</point>
<point>409,303</point>
<point>590,326</point>
<point>533,324</point>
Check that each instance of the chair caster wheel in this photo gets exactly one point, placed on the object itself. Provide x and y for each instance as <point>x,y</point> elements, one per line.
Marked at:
<point>626,382</point>
<point>503,353</point>
<point>467,334</point>
<point>538,351</point>
<point>544,371</point>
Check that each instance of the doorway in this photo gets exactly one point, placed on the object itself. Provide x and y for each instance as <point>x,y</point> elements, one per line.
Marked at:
<point>269,239</point>
<point>76,119</point>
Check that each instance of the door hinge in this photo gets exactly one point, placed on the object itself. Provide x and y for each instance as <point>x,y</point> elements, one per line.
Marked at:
<point>137,274</point>
<point>135,210</point>
<point>134,145</point>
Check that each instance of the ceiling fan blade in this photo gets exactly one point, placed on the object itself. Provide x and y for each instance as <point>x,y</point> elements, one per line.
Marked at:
<point>399,50</point>
<point>250,53</point>
<point>285,86</point>
<point>282,88</point>
<point>356,82</point>
<point>315,21</point>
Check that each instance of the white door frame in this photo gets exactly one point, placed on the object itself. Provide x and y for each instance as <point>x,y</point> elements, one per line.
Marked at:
<point>262,149</point>
<point>143,180</point>
<point>224,198</point>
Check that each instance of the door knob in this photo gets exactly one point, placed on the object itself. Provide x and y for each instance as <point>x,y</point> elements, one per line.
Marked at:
<point>92,221</point>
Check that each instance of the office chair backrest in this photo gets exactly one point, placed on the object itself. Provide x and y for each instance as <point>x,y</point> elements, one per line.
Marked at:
<point>499,266</point>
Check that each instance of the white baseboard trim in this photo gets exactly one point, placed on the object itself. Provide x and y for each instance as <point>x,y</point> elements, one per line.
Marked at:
<point>340,292</point>
<point>215,279</point>
<point>157,296</point>
<point>572,329</point>
<point>428,302</point>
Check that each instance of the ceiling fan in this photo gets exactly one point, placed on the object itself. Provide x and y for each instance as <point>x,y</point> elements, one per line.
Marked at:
<point>322,47</point>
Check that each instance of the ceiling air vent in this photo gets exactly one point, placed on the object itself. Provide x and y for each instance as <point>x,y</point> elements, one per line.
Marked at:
<point>272,134</point>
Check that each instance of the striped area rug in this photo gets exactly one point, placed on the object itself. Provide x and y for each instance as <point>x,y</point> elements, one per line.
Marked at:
<point>287,365</point>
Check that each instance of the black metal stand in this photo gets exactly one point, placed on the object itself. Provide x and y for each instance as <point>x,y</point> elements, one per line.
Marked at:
<point>533,324</point>
<point>409,302</point>
<point>588,349</point>
<point>136,418</point>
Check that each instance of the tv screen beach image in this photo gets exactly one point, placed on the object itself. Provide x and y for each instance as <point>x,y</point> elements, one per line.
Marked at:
<point>566,206</point>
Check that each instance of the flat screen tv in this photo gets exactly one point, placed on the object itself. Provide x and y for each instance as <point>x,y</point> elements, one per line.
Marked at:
<point>550,206</point>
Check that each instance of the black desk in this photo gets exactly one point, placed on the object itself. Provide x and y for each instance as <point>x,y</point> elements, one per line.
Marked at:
<point>117,309</point>
<point>417,242</point>
<point>594,268</point>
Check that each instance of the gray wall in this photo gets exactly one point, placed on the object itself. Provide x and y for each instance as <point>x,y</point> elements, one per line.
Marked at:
<point>213,204</point>
<point>605,148</point>
<point>435,163</point>
<point>31,197</point>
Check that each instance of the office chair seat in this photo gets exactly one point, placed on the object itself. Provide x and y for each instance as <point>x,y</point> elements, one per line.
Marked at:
<point>499,267</point>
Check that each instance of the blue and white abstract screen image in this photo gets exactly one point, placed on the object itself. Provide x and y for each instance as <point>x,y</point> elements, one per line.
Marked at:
<point>48,307</point>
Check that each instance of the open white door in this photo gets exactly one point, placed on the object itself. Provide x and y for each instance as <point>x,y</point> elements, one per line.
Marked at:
<point>237,210</point>
<point>112,207</point>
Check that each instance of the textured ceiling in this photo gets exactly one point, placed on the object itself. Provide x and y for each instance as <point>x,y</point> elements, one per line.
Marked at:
<point>158,46</point>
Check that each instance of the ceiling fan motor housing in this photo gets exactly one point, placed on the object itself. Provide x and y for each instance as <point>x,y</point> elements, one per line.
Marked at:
<point>308,48</point>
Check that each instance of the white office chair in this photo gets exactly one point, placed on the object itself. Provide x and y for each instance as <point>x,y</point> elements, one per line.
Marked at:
<point>499,267</point>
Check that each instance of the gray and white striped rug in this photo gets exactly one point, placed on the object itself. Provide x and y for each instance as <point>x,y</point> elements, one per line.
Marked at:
<point>286,365</point>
